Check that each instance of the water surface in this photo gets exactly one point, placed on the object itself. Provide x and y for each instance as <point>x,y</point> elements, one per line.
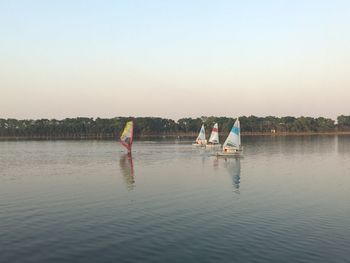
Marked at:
<point>287,200</point>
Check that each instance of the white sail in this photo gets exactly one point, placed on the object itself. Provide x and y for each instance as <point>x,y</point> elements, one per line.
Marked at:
<point>201,136</point>
<point>201,141</point>
<point>214,137</point>
<point>234,138</point>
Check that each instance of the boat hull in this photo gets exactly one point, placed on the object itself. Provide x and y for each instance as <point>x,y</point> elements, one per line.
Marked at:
<point>198,145</point>
<point>229,154</point>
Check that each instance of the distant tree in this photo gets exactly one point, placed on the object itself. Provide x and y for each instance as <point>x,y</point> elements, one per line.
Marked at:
<point>83,127</point>
<point>343,122</point>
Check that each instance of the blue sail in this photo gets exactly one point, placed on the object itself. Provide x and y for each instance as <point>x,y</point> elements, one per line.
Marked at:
<point>234,137</point>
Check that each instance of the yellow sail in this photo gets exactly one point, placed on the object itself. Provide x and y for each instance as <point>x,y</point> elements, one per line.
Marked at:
<point>127,135</point>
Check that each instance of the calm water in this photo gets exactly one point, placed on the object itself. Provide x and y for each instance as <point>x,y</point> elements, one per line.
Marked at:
<point>287,200</point>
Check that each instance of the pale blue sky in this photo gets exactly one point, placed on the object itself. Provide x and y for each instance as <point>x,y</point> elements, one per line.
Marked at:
<point>174,58</point>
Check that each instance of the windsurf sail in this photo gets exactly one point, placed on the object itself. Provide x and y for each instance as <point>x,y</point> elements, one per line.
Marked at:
<point>127,135</point>
<point>214,137</point>
<point>201,136</point>
<point>234,138</point>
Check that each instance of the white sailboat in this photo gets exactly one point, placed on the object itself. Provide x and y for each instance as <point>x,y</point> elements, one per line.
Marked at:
<point>232,146</point>
<point>214,137</point>
<point>201,141</point>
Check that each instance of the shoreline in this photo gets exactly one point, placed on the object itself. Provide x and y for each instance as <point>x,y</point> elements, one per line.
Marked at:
<point>294,133</point>
<point>166,136</point>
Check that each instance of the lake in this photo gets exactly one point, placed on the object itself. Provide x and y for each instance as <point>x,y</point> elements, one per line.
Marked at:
<point>287,200</point>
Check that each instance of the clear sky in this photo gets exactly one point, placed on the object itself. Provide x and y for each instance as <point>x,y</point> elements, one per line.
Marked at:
<point>174,58</point>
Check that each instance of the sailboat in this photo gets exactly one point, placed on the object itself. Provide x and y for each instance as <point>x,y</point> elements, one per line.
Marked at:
<point>127,136</point>
<point>201,141</point>
<point>232,146</point>
<point>214,137</point>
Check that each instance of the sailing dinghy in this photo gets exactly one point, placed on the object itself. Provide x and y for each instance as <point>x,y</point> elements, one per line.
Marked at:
<point>232,146</point>
<point>127,135</point>
<point>201,141</point>
<point>214,137</point>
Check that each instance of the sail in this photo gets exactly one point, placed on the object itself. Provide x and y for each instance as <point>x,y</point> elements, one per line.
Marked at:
<point>127,135</point>
<point>214,137</point>
<point>234,138</point>
<point>201,135</point>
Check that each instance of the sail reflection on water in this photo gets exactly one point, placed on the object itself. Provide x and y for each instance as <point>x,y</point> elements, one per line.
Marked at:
<point>234,168</point>
<point>127,169</point>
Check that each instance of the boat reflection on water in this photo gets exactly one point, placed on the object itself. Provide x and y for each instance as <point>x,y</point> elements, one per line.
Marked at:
<point>216,163</point>
<point>127,168</point>
<point>233,165</point>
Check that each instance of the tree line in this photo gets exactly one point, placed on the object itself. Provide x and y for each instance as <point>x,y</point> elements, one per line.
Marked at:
<point>152,126</point>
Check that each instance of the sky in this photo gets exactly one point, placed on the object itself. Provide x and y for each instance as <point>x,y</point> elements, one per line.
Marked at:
<point>174,59</point>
